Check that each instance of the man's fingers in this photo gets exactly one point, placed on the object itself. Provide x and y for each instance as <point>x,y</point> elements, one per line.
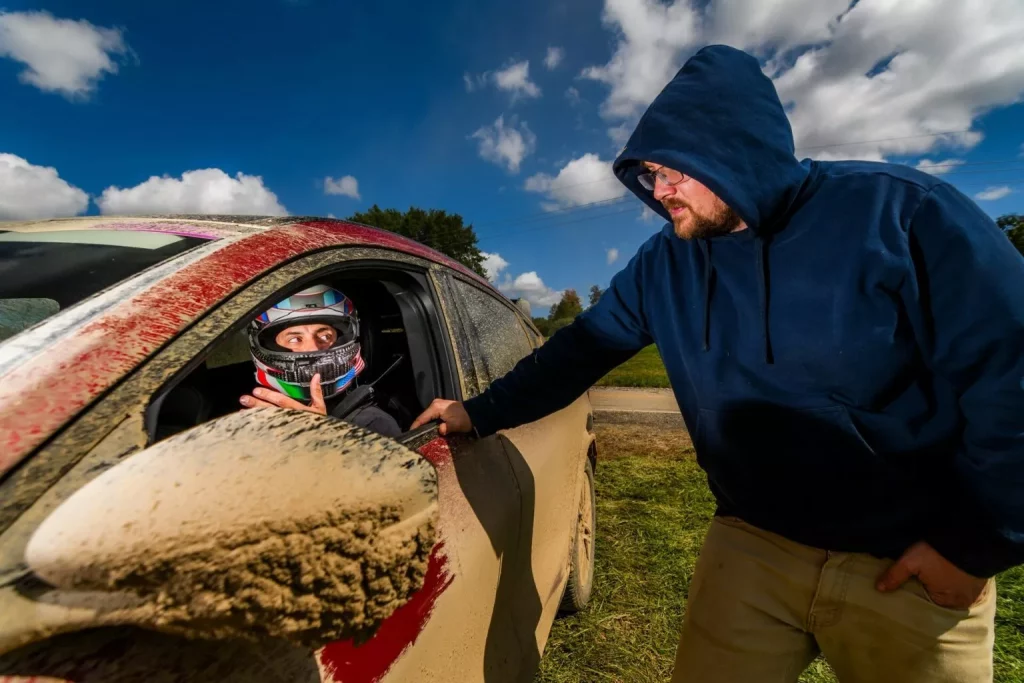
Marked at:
<point>432,412</point>
<point>895,576</point>
<point>278,399</point>
<point>251,402</point>
<point>316,392</point>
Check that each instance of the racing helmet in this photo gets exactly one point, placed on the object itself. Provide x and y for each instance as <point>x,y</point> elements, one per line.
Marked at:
<point>290,372</point>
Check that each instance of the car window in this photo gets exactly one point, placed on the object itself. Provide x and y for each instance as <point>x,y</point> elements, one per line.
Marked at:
<point>42,273</point>
<point>500,338</point>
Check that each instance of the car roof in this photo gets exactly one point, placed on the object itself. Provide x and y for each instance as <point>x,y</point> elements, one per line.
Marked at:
<point>95,343</point>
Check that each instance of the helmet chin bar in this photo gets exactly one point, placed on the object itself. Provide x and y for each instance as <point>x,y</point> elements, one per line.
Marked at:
<point>298,369</point>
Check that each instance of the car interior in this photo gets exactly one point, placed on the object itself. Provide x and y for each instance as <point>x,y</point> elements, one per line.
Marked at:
<point>400,339</point>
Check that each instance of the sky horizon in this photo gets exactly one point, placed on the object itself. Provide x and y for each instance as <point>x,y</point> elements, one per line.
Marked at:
<point>507,114</point>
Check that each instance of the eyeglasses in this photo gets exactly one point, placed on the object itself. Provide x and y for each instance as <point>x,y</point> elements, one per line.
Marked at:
<point>665,175</point>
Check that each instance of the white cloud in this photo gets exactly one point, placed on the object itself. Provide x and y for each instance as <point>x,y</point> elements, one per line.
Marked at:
<point>648,215</point>
<point>346,186</point>
<point>554,57</point>
<point>60,55</point>
<point>879,70</point>
<point>584,180</point>
<point>205,191</point>
<point>506,145</point>
<point>994,192</point>
<point>529,286</point>
<point>28,191</point>
<point>474,83</point>
<point>612,254</point>
<point>573,95</point>
<point>493,264</point>
<point>515,79</point>
<point>938,167</point>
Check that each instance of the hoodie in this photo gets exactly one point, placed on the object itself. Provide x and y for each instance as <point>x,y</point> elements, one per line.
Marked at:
<point>851,366</point>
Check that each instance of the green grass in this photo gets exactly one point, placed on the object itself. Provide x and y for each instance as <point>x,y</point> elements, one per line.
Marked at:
<point>653,510</point>
<point>645,369</point>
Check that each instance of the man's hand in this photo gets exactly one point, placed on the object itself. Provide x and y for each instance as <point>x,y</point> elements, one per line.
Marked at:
<point>263,398</point>
<point>946,584</point>
<point>453,416</point>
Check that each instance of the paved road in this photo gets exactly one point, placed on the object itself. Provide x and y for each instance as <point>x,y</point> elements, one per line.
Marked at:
<point>633,400</point>
<point>656,407</point>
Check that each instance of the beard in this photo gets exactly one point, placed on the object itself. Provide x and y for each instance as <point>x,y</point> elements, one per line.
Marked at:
<point>694,226</point>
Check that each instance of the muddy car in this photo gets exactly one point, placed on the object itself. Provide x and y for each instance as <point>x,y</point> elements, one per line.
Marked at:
<point>151,530</point>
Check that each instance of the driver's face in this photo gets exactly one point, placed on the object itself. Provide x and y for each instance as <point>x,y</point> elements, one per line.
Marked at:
<point>305,338</point>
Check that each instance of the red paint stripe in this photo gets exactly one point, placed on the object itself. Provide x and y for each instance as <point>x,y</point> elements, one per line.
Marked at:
<point>345,662</point>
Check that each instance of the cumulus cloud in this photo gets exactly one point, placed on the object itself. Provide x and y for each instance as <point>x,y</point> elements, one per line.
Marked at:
<point>584,180</point>
<point>346,186</point>
<point>515,79</point>
<point>612,254</point>
<point>531,287</point>
<point>528,286</point>
<point>554,57</point>
<point>28,191</point>
<point>896,78</point>
<point>938,167</point>
<point>993,193</point>
<point>493,265</point>
<point>506,145</point>
<point>209,191</point>
<point>60,55</point>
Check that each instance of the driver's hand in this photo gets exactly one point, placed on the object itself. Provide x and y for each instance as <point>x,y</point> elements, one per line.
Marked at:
<point>263,398</point>
<point>453,416</point>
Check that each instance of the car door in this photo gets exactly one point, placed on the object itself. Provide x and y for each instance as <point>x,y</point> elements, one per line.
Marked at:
<point>547,455</point>
<point>450,630</point>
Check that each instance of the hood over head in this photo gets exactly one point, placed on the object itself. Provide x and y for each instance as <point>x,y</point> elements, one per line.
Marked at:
<point>720,121</point>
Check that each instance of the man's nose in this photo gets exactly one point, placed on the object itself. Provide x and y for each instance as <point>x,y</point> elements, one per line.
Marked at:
<point>661,190</point>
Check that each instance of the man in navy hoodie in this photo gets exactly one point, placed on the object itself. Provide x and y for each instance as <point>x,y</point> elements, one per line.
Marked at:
<point>846,343</point>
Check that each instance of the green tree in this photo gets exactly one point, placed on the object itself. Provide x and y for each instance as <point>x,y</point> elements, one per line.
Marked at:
<point>543,326</point>
<point>568,308</point>
<point>435,228</point>
<point>595,294</point>
<point>1013,227</point>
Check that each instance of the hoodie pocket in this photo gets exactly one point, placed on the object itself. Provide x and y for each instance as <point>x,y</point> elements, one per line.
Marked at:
<point>760,454</point>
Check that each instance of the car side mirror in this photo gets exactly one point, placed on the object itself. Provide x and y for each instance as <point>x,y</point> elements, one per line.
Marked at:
<point>263,522</point>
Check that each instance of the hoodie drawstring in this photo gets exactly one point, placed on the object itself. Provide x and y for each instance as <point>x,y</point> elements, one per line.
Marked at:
<point>763,290</point>
<point>705,249</point>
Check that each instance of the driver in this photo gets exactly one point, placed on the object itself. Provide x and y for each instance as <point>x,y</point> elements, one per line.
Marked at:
<point>306,351</point>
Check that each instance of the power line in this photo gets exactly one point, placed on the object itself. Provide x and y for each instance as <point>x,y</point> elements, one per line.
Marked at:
<point>868,142</point>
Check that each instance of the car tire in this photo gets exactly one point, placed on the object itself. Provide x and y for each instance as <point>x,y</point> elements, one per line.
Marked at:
<point>581,559</point>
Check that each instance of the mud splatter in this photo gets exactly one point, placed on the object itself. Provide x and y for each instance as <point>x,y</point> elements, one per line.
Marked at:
<point>321,579</point>
<point>267,522</point>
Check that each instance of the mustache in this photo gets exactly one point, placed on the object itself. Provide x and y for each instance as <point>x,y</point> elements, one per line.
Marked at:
<point>675,204</point>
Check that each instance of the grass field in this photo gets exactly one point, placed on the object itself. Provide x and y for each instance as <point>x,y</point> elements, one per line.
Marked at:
<point>645,369</point>
<point>653,510</point>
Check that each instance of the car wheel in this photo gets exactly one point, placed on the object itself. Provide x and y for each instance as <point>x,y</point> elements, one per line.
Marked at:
<point>581,561</point>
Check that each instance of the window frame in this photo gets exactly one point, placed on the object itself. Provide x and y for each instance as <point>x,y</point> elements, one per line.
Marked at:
<point>441,358</point>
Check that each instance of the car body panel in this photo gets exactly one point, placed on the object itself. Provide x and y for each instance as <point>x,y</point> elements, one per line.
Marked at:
<point>499,500</point>
<point>84,364</point>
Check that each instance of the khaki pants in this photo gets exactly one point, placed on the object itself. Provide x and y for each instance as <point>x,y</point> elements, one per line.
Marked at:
<point>762,607</point>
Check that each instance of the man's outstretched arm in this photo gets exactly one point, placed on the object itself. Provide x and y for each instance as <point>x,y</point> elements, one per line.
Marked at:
<point>561,370</point>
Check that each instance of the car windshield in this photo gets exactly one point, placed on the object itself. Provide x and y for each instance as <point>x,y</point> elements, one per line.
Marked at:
<point>42,273</point>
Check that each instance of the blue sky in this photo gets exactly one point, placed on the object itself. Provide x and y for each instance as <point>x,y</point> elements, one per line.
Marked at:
<point>405,99</point>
